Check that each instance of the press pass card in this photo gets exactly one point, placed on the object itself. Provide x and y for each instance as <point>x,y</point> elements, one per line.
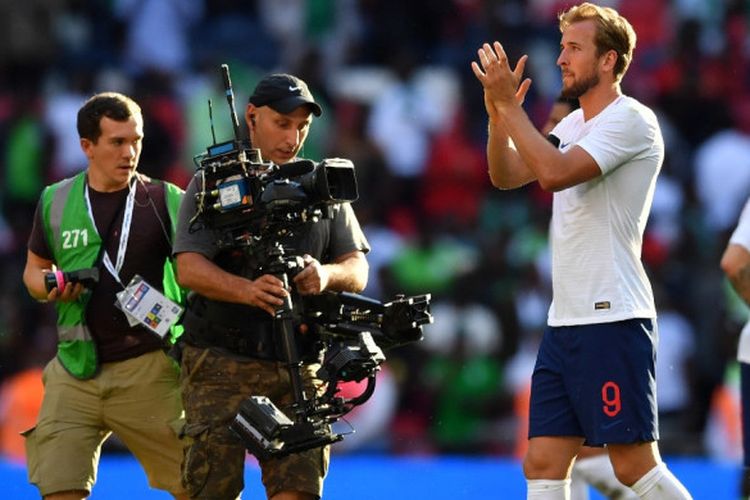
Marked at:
<point>144,304</point>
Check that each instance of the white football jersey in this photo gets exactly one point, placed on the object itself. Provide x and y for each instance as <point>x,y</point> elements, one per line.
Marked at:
<point>597,226</point>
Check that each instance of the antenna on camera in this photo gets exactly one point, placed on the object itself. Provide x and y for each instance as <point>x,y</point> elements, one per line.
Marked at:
<point>230,100</point>
<point>211,120</point>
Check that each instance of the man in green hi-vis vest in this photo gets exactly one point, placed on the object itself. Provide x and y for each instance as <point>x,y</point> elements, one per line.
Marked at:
<point>111,372</point>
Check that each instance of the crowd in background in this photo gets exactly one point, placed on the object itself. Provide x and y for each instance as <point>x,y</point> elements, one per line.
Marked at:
<point>401,102</point>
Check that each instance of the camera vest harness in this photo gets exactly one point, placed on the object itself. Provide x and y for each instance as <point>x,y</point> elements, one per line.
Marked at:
<point>75,243</point>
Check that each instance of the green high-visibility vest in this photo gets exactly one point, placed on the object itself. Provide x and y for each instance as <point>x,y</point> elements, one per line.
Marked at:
<point>75,244</point>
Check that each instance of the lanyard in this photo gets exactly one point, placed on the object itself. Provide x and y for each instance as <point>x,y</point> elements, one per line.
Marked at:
<point>127,218</point>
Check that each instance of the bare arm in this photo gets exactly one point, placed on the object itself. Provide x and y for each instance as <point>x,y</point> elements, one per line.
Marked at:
<point>544,162</point>
<point>553,169</point>
<point>736,265</point>
<point>33,278</point>
<point>198,273</point>
<point>347,274</point>
<point>506,167</point>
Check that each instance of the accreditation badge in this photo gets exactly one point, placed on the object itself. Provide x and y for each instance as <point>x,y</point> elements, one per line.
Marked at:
<point>145,305</point>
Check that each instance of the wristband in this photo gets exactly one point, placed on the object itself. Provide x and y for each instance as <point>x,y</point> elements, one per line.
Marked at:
<point>60,281</point>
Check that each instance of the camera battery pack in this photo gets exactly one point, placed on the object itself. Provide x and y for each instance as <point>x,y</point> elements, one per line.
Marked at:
<point>259,424</point>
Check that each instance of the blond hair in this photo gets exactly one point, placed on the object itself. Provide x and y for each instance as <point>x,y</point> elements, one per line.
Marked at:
<point>613,32</point>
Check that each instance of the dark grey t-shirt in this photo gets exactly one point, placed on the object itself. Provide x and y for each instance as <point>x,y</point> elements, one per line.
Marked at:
<point>325,240</point>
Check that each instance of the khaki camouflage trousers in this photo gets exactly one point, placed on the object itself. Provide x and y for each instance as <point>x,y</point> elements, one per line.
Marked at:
<point>213,386</point>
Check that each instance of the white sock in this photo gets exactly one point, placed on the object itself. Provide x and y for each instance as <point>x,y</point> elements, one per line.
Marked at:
<point>548,489</point>
<point>660,484</point>
<point>598,472</point>
<point>579,487</point>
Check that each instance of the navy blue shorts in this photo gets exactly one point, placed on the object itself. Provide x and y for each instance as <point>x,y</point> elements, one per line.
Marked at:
<point>596,381</point>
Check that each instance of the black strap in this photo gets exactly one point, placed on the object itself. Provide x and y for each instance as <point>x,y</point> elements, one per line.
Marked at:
<point>258,341</point>
<point>254,343</point>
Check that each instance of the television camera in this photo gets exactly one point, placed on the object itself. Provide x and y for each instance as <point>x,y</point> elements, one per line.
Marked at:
<point>253,206</point>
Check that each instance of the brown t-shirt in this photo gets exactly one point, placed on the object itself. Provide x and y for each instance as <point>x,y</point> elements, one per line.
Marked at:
<point>148,247</point>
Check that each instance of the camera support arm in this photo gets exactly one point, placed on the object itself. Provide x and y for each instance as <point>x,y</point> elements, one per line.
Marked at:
<point>279,265</point>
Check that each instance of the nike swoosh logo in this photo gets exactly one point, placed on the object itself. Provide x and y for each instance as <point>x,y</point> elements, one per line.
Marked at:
<point>564,145</point>
<point>293,89</point>
<point>611,424</point>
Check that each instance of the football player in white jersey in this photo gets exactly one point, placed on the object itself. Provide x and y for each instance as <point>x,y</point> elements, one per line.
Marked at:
<point>594,379</point>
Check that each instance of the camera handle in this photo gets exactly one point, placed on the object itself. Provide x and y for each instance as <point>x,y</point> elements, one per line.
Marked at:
<point>280,265</point>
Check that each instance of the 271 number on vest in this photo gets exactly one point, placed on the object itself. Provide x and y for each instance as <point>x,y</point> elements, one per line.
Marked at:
<point>72,237</point>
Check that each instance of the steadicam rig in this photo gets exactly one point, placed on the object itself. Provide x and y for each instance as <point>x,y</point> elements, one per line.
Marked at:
<point>253,206</point>
<point>353,330</point>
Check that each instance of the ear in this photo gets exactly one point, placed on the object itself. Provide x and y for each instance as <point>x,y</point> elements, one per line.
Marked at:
<point>250,116</point>
<point>87,147</point>
<point>609,60</point>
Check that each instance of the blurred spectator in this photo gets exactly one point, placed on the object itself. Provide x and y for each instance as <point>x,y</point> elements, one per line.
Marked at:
<point>164,128</point>
<point>464,372</point>
<point>455,178</point>
<point>725,155</point>
<point>402,123</point>
<point>676,348</point>
<point>386,244</point>
<point>63,104</point>
<point>432,262</point>
<point>20,399</point>
<point>232,30</point>
<point>329,28</point>
<point>685,92</point>
<point>26,148</point>
<point>28,45</point>
<point>157,33</point>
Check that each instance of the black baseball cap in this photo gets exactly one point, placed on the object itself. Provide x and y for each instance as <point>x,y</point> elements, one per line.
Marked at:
<point>284,93</point>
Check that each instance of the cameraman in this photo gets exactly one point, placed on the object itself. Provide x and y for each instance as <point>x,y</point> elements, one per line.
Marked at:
<point>229,351</point>
<point>108,376</point>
